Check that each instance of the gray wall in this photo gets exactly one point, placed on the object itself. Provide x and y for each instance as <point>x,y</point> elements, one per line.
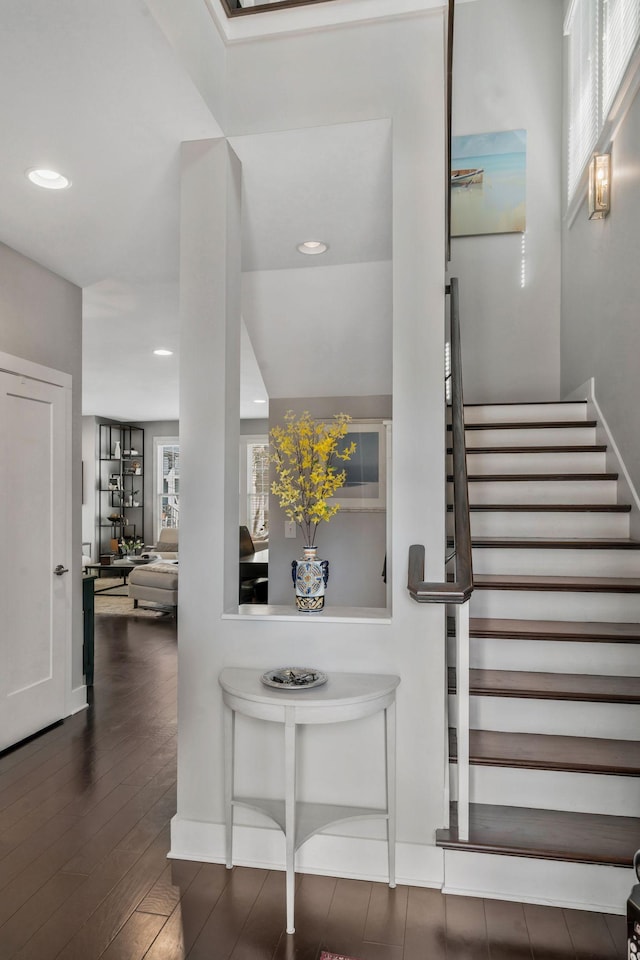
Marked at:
<point>508,75</point>
<point>600,298</point>
<point>354,543</point>
<point>254,427</point>
<point>41,321</point>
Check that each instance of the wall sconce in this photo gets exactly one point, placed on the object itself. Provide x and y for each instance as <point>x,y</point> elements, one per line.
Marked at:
<point>599,186</point>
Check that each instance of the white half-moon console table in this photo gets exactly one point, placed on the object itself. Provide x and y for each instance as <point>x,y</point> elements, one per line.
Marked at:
<point>345,696</point>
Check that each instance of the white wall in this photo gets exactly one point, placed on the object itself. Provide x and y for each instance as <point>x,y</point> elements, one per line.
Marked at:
<point>197,41</point>
<point>600,328</point>
<point>390,70</point>
<point>348,306</point>
<point>508,75</point>
<point>41,321</point>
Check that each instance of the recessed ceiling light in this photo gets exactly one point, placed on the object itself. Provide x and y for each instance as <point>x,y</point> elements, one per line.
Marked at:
<point>259,401</point>
<point>50,179</point>
<point>313,247</point>
<point>163,353</point>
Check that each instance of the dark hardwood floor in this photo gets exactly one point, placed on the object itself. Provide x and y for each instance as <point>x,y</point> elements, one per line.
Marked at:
<point>84,833</point>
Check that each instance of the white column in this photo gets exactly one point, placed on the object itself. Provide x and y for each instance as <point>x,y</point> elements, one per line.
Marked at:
<point>210,278</point>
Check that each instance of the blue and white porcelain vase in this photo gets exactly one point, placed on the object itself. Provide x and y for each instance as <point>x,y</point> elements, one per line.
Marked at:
<point>310,577</point>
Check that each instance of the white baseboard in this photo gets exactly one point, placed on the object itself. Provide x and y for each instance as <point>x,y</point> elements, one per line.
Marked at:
<point>615,464</point>
<point>77,700</point>
<point>577,886</point>
<point>554,883</point>
<point>355,858</point>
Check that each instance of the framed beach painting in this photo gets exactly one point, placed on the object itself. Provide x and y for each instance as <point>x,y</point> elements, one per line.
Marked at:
<point>488,183</point>
<point>365,486</point>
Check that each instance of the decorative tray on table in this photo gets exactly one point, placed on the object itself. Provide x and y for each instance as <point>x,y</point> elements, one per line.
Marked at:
<point>293,678</point>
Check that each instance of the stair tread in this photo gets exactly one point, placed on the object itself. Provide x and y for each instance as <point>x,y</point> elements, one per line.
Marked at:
<point>551,686</point>
<point>482,627</point>
<point>547,834</point>
<point>571,543</point>
<point>529,425</point>
<point>548,507</point>
<point>553,448</point>
<point>542,751</point>
<point>528,477</point>
<point>491,581</point>
<point>525,403</point>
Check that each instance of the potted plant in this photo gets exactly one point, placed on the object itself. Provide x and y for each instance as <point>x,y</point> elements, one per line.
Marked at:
<point>306,455</point>
<point>130,545</point>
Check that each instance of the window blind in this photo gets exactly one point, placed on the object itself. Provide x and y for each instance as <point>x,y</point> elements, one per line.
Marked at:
<point>620,33</point>
<point>258,489</point>
<point>582,29</point>
<point>602,38</point>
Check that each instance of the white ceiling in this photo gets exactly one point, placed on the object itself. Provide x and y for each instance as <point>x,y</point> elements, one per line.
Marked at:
<point>96,91</point>
<point>324,183</point>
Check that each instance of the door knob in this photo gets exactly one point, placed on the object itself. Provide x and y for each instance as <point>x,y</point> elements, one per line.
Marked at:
<point>59,570</point>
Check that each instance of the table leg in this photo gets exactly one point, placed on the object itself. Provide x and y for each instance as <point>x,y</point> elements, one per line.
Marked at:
<point>229,746</point>
<point>390,728</point>
<point>290,813</point>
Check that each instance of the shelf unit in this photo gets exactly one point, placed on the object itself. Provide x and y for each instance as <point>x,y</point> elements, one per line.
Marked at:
<point>120,484</point>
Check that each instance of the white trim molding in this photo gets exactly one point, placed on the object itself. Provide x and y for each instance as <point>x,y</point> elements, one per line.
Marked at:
<point>593,887</point>
<point>326,854</point>
<point>615,464</point>
<point>555,883</point>
<point>35,371</point>
<point>77,700</point>
<point>317,16</point>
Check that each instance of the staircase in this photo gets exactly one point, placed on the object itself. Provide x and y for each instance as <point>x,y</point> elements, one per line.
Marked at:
<point>555,665</point>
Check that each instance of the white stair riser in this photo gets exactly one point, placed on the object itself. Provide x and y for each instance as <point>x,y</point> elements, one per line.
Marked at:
<point>552,605</point>
<point>525,412</point>
<point>531,523</point>
<point>541,491</point>
<point>556,562</point>
<point>582,886</point>
<point>561,656</point>
<point>568,718</point>
<point>552,790</point>
<point>537,462</point>
<point>546,436</point>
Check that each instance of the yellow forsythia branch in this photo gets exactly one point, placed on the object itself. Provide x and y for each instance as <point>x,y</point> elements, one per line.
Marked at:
<point>304,452</point>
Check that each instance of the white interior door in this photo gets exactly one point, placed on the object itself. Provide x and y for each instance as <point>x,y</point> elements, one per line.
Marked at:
<point>35,602</point>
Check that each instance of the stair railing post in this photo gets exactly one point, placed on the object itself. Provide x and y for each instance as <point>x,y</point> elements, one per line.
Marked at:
<point>462,716</point>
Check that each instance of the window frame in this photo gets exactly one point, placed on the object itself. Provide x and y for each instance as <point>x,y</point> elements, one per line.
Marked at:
<point>609,114</point>
<point>158,444</point>
<point>247,441</point>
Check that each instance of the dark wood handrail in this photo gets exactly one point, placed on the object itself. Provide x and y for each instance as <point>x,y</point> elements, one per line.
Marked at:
<point>447,172</point>
<point>460,589</point>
